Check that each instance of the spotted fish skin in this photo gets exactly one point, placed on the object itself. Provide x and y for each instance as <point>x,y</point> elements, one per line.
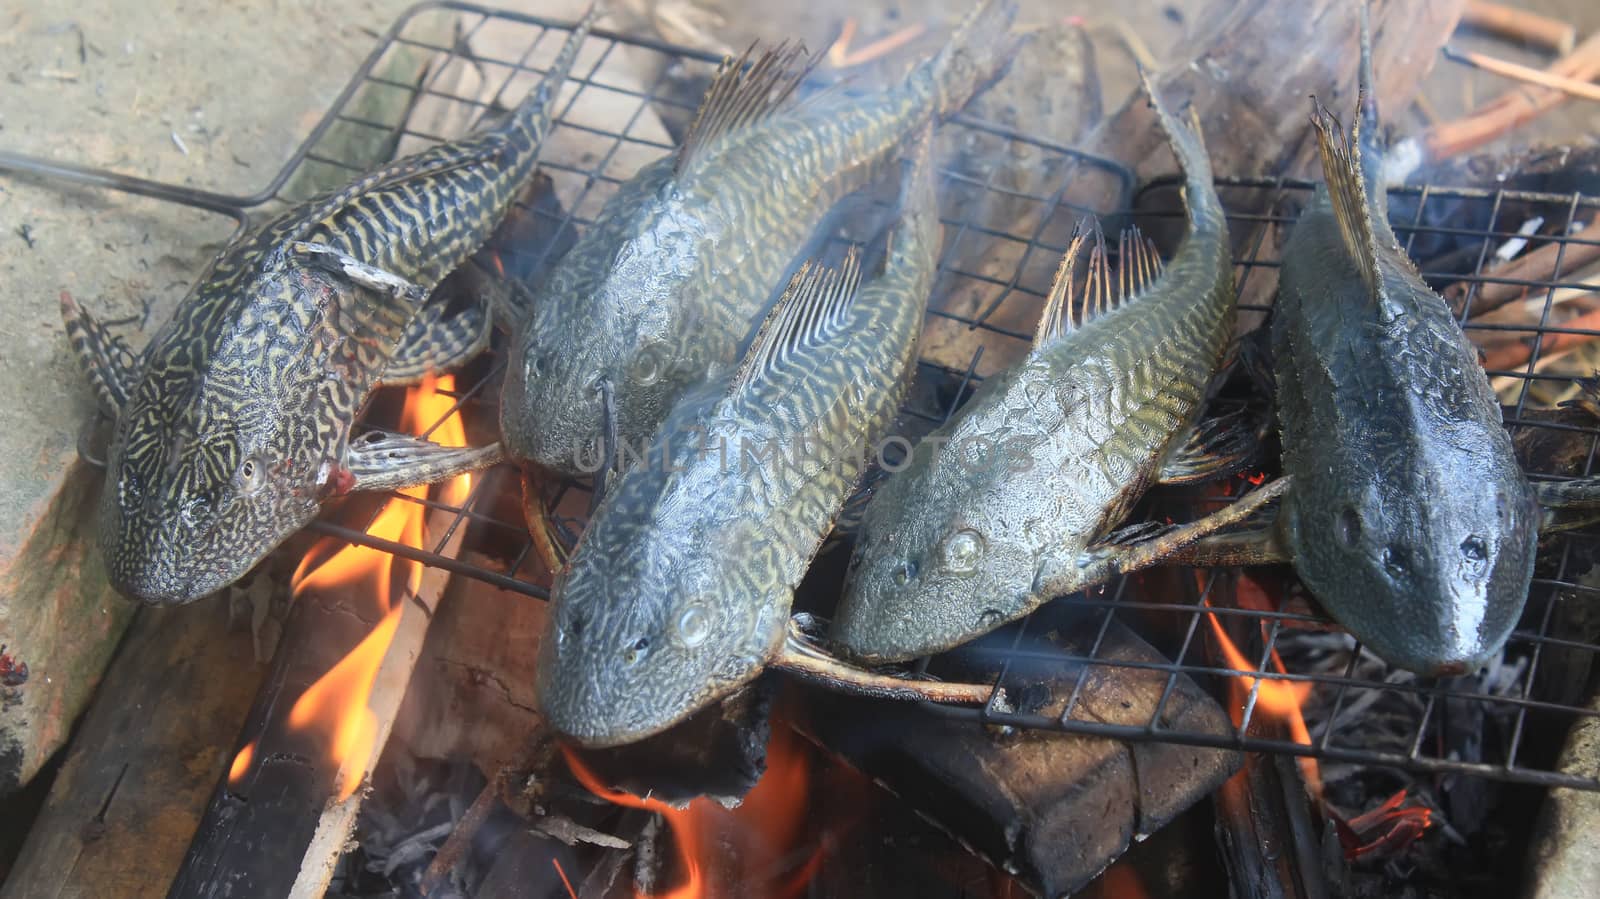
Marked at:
<point>657,296</point>
<point>680,589</point>
<point>237,424</point>
<point>1047,457</point>
<point>1409,519</point>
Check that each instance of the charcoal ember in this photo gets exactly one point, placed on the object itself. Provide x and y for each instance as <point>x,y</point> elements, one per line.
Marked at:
<point>415,806</point>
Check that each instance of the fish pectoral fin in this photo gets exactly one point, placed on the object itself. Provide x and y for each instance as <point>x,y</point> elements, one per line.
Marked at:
<point>436,342</point>
<point>1256,546</point>
<point>110,366</point>
<point>1105,287</point>
<point>803,658</point>
<point>357,272</point>
<point>384,461</point>
<point>1568,505</point>
<point>1218,446</point>
<point>743,93</point>
<point>1153,546</point>
<point>812,310</point>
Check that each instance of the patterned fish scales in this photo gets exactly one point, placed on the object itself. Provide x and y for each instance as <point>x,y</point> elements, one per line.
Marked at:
<point>681,262</point>
<point>238,414</point>
<point>680,590</point>
<point>995,510</point>
<point>1409,519</point>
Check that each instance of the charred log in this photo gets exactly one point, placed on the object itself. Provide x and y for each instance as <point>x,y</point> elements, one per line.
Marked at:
<point>1054,809</point>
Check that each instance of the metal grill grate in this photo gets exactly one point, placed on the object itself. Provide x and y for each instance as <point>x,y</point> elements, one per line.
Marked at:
<point>1001,246</point>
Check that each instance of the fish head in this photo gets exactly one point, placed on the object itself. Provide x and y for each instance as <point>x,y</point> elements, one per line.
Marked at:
<point>1431,579</point>
<point>565,370</point>
<point>938,562</point>
<point>196,493</point>
<point>641,637</point>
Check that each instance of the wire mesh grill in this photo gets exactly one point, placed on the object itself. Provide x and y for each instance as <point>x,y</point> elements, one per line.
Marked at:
<point>1002,243</point>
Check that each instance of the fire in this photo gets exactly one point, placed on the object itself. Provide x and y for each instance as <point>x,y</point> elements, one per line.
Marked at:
<point>336,705</point>
<point>1278,699</point>
<point>757,836</point>
<point>1384,830</point>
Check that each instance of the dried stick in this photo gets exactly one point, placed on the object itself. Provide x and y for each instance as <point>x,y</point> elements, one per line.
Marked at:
<point>1570,86</point>
<point>1510,356</point>
<point>1537,265</point>
<point>1513,108</point>
<point>1520,25</point>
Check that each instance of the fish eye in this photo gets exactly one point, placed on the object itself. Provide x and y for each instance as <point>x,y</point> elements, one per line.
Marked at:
<point>649,366</point>
<point>963,550</point>
<point>1474,548</point>
<point>694,626</point>
<point>636,651</point>
<point>252,473</point>
<point>1349,528</point>
<point>905,571</point>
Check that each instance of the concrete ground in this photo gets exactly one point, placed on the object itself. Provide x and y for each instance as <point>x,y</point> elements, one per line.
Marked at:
<point>216,95</point>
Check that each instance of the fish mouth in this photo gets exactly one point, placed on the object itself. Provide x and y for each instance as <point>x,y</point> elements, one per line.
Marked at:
<point>589,721</point>
<point>162,586</point>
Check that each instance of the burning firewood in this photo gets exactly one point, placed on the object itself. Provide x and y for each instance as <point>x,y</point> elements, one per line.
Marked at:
<point>280,820</point>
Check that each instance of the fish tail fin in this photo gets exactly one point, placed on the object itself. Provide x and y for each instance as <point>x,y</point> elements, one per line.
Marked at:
<point>979,52</point>
<point>1185,138</point>
<point>1369,136</point>
<point>918,230</point>
<point>530,121</point>
<point>812,310</point>
<point>1347,191</point>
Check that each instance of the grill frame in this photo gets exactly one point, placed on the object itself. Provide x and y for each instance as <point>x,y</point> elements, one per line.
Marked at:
<point>1040,252</point>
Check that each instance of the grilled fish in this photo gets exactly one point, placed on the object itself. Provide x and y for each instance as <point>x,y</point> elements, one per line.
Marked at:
<point>1007,505</point>
<point>681,262</point>
<point>1410,519</point>
<point>679,591</point>
<point>234,423</point>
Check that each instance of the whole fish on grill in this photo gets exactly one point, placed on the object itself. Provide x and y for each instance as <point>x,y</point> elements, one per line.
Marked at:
<point>1013,500</point>
<point>679,591</point>
<point>1409,518</point>
<point>234,423</point>
<point>680,264</point>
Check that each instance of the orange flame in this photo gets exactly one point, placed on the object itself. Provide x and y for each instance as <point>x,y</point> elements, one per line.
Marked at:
<point>241,763</point>
<point>767,826</point>
<point>1281,700</point>
<point>336,705</point>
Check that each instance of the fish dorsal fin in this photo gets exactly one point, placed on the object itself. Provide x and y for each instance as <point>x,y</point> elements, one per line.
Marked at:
<point>812,309</point>
<point>743,93</point>
<point>1104,287</point>
<point>1347,190</point>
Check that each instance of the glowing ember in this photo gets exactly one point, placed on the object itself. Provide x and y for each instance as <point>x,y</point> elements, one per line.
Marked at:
<point>749,844</point>
<point>336,705</point>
